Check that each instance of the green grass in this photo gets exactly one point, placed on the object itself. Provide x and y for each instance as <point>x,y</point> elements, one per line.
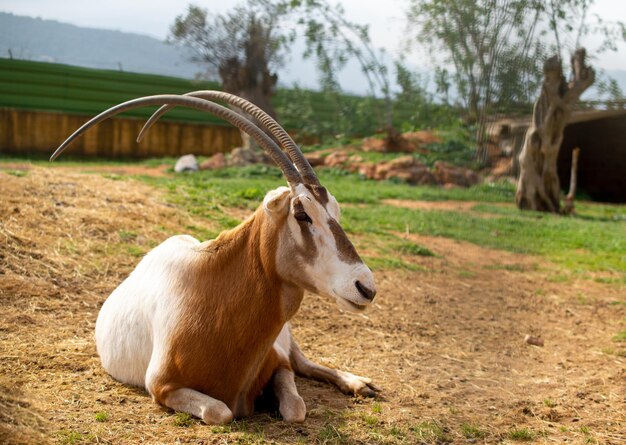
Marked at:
<point>74,437</point>
<point>549,403</point>
<point>521,435</point>
<point>593,240</point>
<point>183,420</point>
<point>17,173</point>
<point>102,416</point>
<point>620,337</point>
<point>430,432</point>
<point>470,431</point>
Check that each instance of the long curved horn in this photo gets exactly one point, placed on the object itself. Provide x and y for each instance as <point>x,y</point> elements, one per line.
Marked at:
<point>264,119</point>
<point>270,147</point>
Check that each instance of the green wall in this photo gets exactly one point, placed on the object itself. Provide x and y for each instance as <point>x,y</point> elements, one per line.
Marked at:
<point>75,90</point>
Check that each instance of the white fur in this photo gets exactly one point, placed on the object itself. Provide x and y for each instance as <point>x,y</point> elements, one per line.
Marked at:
<point>135,322</point>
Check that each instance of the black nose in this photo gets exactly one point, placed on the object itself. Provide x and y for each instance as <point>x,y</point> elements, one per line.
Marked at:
<point>366,293</point>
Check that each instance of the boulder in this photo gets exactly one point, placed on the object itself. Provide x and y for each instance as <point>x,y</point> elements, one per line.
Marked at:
<point>336,159</point>
<point>240,157</point>
<point>186,163</point>
<point>374,144</point>
<point>416,175</point>
<point>367,169</point>
<point>215,162</point>
<point>422,137</point>
<point>448,174</point>
<point>315,159</point>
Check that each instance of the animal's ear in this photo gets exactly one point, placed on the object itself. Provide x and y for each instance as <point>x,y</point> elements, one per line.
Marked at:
<point>276,201</point>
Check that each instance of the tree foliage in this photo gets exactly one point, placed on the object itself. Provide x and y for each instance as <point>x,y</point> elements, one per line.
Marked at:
<point>496,47</point>
<point>243,47</point>
<point>489,43</point>
<point>333,40</point>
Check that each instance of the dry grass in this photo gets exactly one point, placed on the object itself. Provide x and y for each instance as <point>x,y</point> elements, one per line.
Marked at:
<point>445,343</point>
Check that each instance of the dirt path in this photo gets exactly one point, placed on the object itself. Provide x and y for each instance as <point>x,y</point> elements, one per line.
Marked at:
<point>446,344</point>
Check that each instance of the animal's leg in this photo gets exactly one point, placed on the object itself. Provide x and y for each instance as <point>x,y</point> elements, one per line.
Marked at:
<point>290,404</point>
<point>186,400</point>
<point>190,401</point>
<point>347,382</point>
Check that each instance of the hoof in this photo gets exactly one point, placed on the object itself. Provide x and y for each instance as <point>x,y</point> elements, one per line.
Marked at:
<point>217,414</point>
<point>293,409</point>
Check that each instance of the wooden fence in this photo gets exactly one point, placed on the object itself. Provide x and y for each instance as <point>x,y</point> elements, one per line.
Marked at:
<point>23,131</point>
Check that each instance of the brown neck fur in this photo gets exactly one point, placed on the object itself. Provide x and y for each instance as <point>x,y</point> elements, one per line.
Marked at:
<point>233,301</point>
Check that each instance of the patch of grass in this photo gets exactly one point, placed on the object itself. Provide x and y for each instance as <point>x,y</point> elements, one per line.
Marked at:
<point>409,248</point>
<point>221,429</point>
<point>470,431</point>
<point>549,403</point>
<point>587,435</point>
<point>430,432</point>
<point>620,337</point>
<point>370,420</point>
<point>113,176</point>
<point>329,434</point>
<point>102,416</point>
<point>135,250</point>
<point>127,235</point>
<point>398,433</point>
<point>574,243</point>
<point>557,278</point>
<point>183,420</point>
<point>509,267</point>
<point>521,435</point>
<point>377,408</point>
<point>16,173</point>
<point>69,437</point>
<point>466,274</point>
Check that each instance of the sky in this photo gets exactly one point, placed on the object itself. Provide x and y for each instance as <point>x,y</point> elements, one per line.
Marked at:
<point>154,17</point>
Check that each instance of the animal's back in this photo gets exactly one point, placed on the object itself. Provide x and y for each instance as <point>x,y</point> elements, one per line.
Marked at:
<point>134,321</point>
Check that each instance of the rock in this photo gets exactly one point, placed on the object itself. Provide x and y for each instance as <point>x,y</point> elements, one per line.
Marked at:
<point>336,159</point>
<point>240,157</point>
<point>403,162</point>
<point>215,162</point>
<point>186,163</point>
<point>448,174</point>
<point>532,340</point>
<point>367,169</point>
<point>422,176</point>
<point>374,144</point>
<point>422,137</point>
<point>384,169</point>
<point>416,175</point>
<point>314,159</point>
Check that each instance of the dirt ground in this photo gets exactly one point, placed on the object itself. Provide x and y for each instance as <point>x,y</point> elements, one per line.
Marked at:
<point>446,344</point>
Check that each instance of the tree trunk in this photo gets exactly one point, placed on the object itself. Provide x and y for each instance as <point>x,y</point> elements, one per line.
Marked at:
<point>538,186</point>
<point>251,78</point>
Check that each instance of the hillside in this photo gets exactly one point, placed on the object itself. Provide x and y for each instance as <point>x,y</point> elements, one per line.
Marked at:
<point>51,41</point>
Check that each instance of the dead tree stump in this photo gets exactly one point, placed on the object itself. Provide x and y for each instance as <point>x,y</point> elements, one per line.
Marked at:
<point>538,186</point>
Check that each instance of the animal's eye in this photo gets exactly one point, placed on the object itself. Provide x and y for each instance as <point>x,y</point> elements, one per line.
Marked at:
<point>302,216</point>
